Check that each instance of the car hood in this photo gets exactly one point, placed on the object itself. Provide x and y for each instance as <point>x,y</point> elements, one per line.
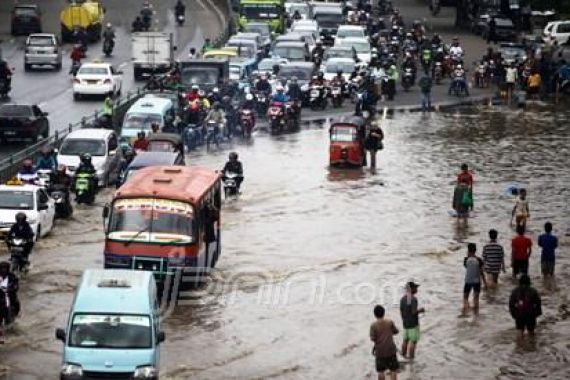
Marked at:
<point>73,161</point>
<point>109,360</point>
<point>8,217</point>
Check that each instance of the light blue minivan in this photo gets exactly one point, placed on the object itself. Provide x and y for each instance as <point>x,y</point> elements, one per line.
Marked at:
<point>113,329</point>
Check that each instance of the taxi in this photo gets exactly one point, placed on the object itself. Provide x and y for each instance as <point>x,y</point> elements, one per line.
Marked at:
<point>97,78</point>
<point>33,201</point>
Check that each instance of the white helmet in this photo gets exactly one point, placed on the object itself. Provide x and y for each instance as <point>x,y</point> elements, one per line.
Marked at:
<point>279,88</point>
<point>215,90</point>
<point>459,66</point>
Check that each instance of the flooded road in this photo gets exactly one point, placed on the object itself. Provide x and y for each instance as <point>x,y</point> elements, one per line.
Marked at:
<point>307,252</point>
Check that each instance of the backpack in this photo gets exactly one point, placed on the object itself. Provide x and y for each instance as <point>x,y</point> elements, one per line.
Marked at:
<point>523,306</point>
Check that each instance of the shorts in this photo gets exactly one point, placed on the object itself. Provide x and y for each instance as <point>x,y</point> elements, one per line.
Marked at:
<point>520,219</point>
<point>526,323</point>
<point>547,268</point>
<point>412,334</point>
<point>476,287</point>
<point>519,267</point>
<point>389,363</point>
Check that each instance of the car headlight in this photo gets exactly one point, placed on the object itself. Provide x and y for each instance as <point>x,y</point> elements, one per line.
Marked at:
<point>146,372</point>
<point>69,369</point>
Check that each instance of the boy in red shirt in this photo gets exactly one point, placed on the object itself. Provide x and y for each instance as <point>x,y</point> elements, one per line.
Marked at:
<point>521,249</point>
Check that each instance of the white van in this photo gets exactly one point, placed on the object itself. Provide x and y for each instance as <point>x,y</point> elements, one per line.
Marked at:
<point>557,31</point>
<point>101,144</point>
<point>143,114</point>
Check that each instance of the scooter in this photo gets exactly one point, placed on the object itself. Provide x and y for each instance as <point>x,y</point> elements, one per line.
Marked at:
<point>337,95</point>
<point>75,65</point>
<point>318,98</point>
<point>108,46</point>
<point>44,178</point>
<point>84,188</point>
<point>438,72</point>
<point>276,116</point>
<point>408,78</point>
<point>63,207</point>
<point>247,122</point>
<point>212,134</point>
<point>19,262</point>
<point>230,185</point>
<point>261,103</point>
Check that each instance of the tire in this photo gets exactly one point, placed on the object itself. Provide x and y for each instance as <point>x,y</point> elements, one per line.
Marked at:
<point>137,73</point>
<point>76,96</point>
<point>27,67</point>
<point>58,67</point>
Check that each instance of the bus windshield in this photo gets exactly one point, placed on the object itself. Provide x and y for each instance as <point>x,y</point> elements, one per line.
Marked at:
<point>150,220</point>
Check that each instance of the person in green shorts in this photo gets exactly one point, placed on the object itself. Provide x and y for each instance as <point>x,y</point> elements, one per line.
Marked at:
<point>410,318</point>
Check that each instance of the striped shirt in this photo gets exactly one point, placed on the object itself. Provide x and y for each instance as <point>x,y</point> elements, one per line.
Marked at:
<point>493,255</point>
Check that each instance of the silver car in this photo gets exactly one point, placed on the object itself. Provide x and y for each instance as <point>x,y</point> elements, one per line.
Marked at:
<point>42,49</point>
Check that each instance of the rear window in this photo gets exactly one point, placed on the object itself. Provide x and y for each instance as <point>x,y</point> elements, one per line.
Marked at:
<point>41,41</point>
<point>94,70</point>
<point>12,110</point>
<point>563,28</point>
<point>25,11</point>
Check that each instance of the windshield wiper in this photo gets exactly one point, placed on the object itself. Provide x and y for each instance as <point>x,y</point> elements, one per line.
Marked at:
<point>127,243</point>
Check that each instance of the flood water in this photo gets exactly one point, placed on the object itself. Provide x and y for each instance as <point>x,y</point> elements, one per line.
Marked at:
<point>307,252</point>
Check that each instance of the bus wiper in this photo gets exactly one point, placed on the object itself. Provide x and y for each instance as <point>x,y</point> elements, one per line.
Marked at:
<point>127,243</point>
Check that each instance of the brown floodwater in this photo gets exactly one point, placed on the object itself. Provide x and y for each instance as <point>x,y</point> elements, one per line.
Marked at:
<point>307,252</point>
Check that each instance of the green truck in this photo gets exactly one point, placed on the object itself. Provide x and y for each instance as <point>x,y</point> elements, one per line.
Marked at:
<point>270,11</point>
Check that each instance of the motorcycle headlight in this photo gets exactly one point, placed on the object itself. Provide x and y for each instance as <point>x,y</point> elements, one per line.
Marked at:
<point>69,369</point>
<point>146,372</point>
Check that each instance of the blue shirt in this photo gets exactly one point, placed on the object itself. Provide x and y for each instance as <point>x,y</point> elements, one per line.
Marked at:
<point>548,243</point>
<point>564,72</point>
<point>280,97</point>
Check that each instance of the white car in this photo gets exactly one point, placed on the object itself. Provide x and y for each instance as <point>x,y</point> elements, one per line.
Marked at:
<point>360,45</point>
<point>334,65</point>
<point>33,201</point>
<point>347,31</point>
<point>557,31</point>
<point>97,79</point>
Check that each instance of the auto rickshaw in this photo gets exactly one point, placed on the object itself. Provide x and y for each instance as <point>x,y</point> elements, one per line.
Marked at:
<point>347,141</point>
<point>164,142</point>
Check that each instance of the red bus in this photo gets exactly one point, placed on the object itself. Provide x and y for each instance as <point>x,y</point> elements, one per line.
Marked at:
<point>165,219</point>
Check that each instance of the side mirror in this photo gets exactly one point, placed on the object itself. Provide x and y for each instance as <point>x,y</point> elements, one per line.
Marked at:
<point>160,337</point>
<point>60,334</point>
<point>120,72</point>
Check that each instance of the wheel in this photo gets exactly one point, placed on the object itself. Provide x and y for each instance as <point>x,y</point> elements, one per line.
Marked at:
<point>58,67</point>
<point>27,67</point>
<point>76,96</point>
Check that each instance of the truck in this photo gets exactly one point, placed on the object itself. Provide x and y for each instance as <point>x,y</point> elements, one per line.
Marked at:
<point>153,52</point>
<point>83,14</point>
<point>269,11</point>
<point>206,73</point>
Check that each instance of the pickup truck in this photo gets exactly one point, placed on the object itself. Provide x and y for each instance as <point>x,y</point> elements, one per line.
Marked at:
<point>18,121</point>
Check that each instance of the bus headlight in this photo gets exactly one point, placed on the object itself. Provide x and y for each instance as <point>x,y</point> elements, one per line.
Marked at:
<point>146,372</point>
<point>71,370</point>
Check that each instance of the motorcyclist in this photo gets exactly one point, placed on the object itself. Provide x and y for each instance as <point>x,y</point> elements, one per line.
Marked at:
<point>263,85</point>
<point>45,160</point>
<point>459,79</point>
<point>392,73</point>
<point>294,90</point>
<point>231,115</point>
<point>456,51</point>
<point>9,285</point>
<point>128,157</point>
<point>233,166</point>
<point>106,119</point>
<point>22,230</point>
<point>138,25</point>
<point>249,103</point>
<point>27,172</point>
<point>436,40</point>
<point>426,58</point>
<point>296,15</point>
<point>80,37</point>
<point>109,34</point>
<point>85,164</point>
<point>318,52</point>
<point>280,96</point>
<point>179,8</point>
<point>141,143</point>
<point>216,115</point>
<point>215,96</point>
<point>76,56</point>
<point>319,80</point>
<point>5,73</point>
<point>61,178</point>
<point>204,102</point>
<point>193,93</point>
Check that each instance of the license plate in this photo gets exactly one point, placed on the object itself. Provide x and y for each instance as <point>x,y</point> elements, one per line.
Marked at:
<point>336,91</point>
<point>315,93</point>
<point>92,81</point>
<point>10,133</point>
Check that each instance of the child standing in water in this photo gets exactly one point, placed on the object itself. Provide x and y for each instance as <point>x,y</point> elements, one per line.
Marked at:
<point>521,211</point>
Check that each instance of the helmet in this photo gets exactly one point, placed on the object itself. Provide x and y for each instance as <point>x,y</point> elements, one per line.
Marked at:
<point>339,73</point>
<point>226,99</point>
<point>293,79</point>
<point>233,156</point>
<point>314,77</point>
<point>249,97</point>
<point>21,217</point>
<point>109,25</point>
<point>155,127</point>
<point>27,163</point>
<point>86,158</point>
<point>201,93</point>
<point>141,134</point>
<point>5,267</point>
<point>215,90</point>
<point>195,87</point>
<point>464,167</point>
<point>321,75</point>
<point>279,88</point>
<point>459,66</point>
<point>129,153</point>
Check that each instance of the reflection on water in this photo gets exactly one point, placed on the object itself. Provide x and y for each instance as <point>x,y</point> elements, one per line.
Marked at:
<point>307,250</point>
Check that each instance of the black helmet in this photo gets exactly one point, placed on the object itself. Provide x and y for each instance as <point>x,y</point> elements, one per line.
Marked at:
<point>141,134</point>
<point>233,156</point>
<point>86,158</point>
<point>339,72</point>
<point>5,267</point>
<point>21,217</point>
<point>321,75</point>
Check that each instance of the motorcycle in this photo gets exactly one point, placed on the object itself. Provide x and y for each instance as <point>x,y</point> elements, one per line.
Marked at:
<point>230,185</point>
<point>261,103</point>
<point>63,207</point>
<point>247,122</point>
<point>318,97</point>
<point>19,261</point>
<point>44,178</point>
<point>212,134</point>
<point>180,19</point>
<point>459,86</point>
<point>84,188</point>
<point>5,88</point>
<point>108,46</point>
<point>75,65</point>
<point>481,76</point>
<point>337,95</point>
<point>438,72</point>
<point>408,78</point>
<point>276,116</point>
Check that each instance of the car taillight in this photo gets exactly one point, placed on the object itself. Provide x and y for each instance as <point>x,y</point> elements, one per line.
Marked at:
<point>107,81</point>
<point>76,81</point>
